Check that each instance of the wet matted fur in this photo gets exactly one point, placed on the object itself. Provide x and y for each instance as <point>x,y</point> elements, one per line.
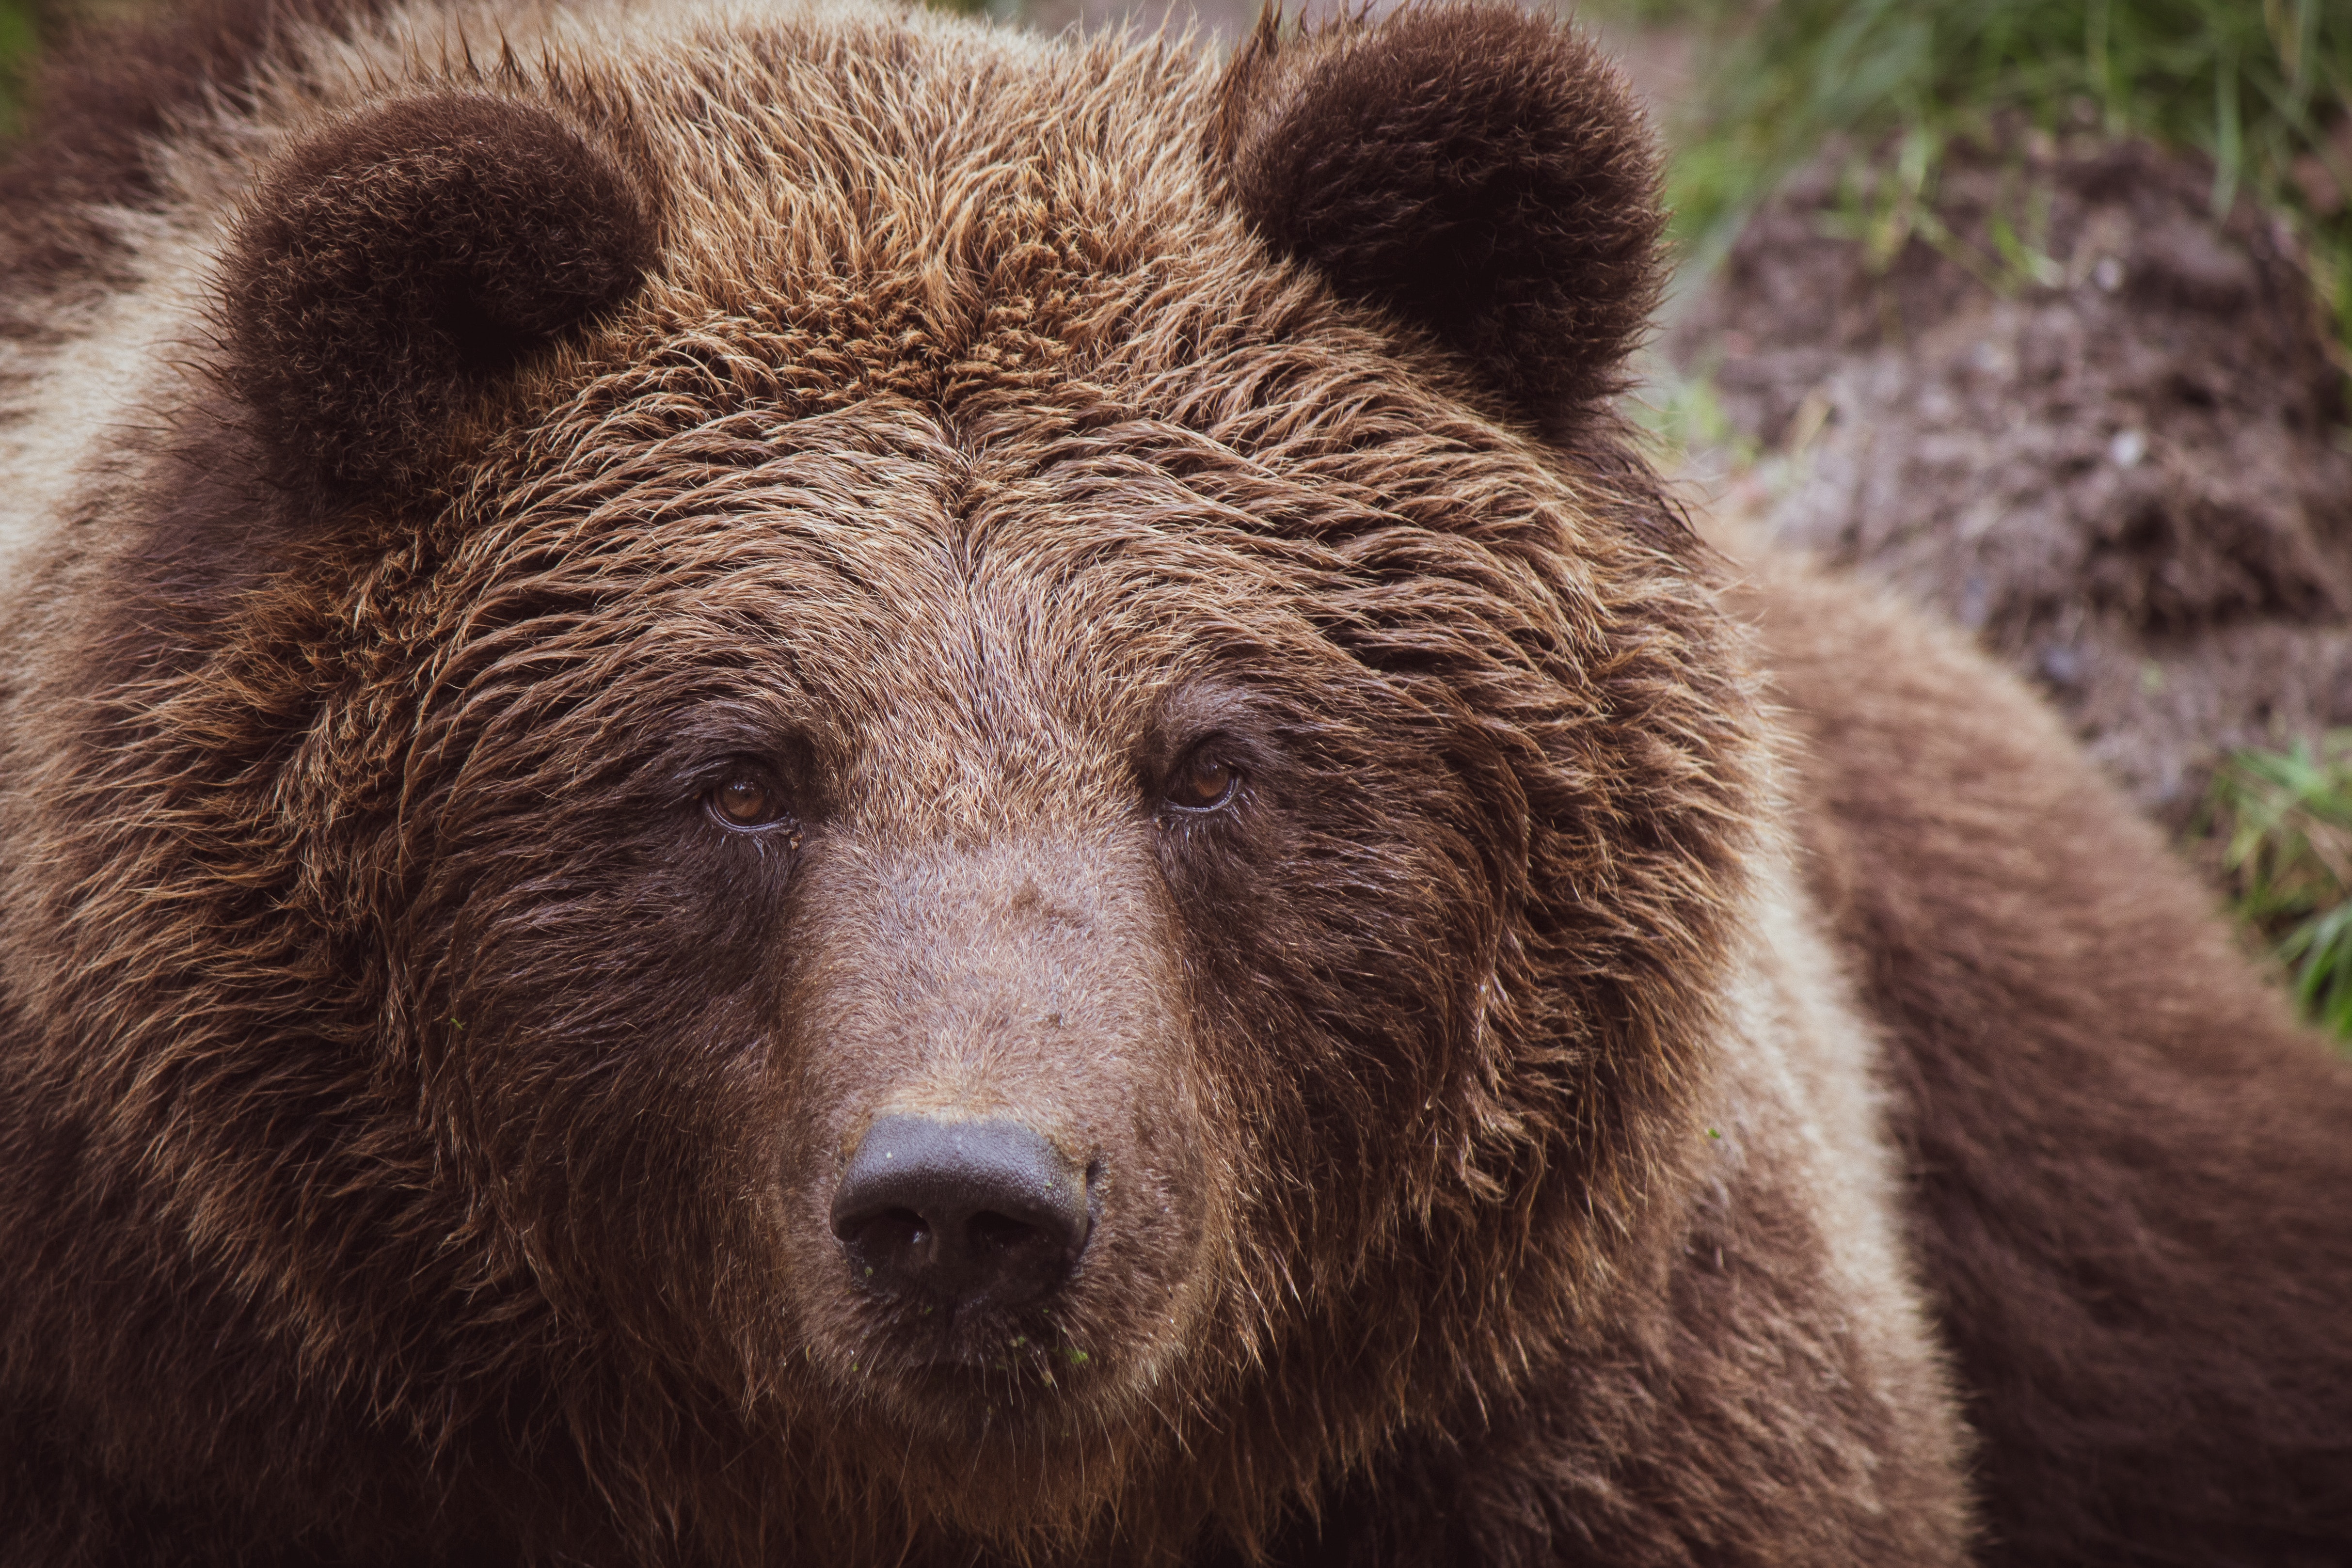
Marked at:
<point>1649,1061</point>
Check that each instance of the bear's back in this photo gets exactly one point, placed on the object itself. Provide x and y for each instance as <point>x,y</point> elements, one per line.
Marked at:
<point>2126,1169</point>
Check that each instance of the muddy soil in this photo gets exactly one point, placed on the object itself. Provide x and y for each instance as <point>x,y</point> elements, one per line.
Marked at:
<point>2090,422</point>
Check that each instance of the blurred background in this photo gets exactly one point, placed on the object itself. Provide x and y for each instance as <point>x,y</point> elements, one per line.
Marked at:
<point>2039,312</point>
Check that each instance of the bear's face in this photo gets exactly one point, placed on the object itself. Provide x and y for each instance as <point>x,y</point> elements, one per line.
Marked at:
<point>953,810</point>
<point>799,776</point>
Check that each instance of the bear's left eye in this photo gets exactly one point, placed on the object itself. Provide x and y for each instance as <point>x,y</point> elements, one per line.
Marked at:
<point>1202,782</point>
<point>746,800</point>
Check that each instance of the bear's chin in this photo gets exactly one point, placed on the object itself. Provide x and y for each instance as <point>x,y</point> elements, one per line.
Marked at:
<point>1019,1454</point>
<point>1018,1389</point>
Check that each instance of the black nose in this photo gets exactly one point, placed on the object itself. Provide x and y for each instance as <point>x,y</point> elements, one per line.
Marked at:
<point>959,1212</point>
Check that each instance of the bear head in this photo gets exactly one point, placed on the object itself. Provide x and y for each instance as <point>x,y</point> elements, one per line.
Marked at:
<point>869,762</point>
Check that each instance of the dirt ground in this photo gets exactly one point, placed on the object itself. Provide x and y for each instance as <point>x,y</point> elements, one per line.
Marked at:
<point>2091,423</point>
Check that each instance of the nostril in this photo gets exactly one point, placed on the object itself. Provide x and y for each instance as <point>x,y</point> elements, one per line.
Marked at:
<point>873,1241</point>
<point>1012,1245</point>
<point>960,1211</point>
<point>1001,1232</point>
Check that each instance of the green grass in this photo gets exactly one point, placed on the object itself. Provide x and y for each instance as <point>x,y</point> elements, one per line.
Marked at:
<point>19,33</point>
<point>2260,85</point>
<point>2283,821</point>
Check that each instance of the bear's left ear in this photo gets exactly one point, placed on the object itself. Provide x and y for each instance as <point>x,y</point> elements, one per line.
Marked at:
<point>389,272</point>
<point>1482,171</point>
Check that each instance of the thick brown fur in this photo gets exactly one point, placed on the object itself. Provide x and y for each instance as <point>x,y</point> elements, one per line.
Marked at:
<point>1471,171</point>
<point>2129,1171</point>
<point>421,1109</point>
<point>402,258</point>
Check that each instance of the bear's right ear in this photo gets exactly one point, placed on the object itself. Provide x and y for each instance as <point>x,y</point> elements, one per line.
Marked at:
<point>1482,171</point>
<point>386,272</point>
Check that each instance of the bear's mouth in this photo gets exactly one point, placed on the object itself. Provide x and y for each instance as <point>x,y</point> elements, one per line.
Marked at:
<point>913,1337</point>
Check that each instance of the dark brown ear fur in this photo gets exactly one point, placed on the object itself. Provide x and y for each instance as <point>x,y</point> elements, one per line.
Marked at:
<point>1481,171</point>
<point>391,269</point>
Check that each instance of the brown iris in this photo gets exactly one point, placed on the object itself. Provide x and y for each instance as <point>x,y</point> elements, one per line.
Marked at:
<point>745,802</point>
<point>1202,782</point>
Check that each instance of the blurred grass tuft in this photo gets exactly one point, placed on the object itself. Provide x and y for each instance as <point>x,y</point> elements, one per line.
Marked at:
<point>2284,821</point>
<point>19,33</point>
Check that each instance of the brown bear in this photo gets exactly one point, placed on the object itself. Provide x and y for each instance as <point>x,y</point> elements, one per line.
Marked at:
<point>797,784</point>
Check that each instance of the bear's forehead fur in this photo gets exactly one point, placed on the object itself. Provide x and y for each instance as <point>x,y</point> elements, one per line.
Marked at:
<point>967,452</point>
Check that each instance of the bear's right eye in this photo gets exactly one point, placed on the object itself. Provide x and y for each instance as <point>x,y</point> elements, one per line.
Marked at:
<point>746,800</point>
<point>1203,782</point>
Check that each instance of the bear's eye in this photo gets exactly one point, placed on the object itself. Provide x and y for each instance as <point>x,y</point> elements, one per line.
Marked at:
<point>745,801</point>
<point>1203,782</point>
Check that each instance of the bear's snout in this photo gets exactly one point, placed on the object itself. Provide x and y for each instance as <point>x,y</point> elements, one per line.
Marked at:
<point>1003,1186</point>
<point>959,1213</point>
